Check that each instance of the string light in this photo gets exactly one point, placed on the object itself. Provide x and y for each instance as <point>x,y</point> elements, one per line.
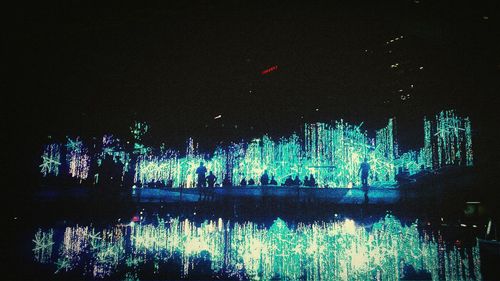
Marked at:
<point>51,160</point>
<point>329,250</point>
<point>332,153</point>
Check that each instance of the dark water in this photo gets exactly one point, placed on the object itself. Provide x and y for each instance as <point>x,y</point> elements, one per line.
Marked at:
<point>223,242</point>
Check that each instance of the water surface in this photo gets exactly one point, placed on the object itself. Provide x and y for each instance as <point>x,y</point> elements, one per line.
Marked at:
<point>174,248</point>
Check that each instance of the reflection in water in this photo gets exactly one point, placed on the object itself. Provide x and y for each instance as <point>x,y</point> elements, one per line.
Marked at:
<point>321,251</point>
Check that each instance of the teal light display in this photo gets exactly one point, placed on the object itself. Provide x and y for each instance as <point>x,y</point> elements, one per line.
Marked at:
<point>385,149</point>
<point>43,244</point>
<point>332,153</point>
<point>426,151</point>
<point>112,147</point>
<point>449,138</point>
<point>138,131</point>
<point>341,250</point>
<point>468,142</point>
<point>77,158</point>
<point>153,169</point>
<point>51,160</point>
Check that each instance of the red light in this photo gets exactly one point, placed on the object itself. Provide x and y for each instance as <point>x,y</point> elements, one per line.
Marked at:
<point>272,68</point>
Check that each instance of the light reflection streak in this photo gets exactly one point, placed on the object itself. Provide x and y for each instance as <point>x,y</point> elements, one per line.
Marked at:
<point>321,251</point>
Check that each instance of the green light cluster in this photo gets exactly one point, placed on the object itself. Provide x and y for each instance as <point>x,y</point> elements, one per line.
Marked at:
<point>42,251</point>
<point>331,152</point>
<point>51,160</point>
<point>321,251</point>
<point>451,140</point>
<point>112,147</point>
<point>138,130</point>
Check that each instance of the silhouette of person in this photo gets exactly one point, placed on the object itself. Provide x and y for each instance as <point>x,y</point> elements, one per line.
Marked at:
<point>226,182</point>
<point>364,169</point>
<point>297,181</point>
<point>201,171</point>
<point>306,181</point>
<point>211,179</point>
<point>289,181</point>
<point>170,183</point>
<point>251,182</point>
<point>264,179</point>
<point>273,181</point>
<point>312,181</point>
<point>160,184</point>
<point>243,182</point>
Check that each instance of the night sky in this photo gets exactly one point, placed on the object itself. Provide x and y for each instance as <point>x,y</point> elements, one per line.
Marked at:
<point>84,68</point>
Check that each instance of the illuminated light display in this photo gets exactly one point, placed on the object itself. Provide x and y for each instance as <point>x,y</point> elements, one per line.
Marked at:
<point>426,152</point>
<point>42,251</point>
<point>335,153</point>
<point>451,140</point>
<point>468,142</point>
<point>77,158</point>
<point>111,147</point>
<point>386,149</point>
<point>154,169</point>
<point>138,130</point>
<point>271,69</point>
<point>339,250</point>
<point>51,160</point>
<point>331,152</point>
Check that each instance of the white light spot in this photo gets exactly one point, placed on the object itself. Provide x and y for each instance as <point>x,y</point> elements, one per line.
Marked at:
<point>218,116</point>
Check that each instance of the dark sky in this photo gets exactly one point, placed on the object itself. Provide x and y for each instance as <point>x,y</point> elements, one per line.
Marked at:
<point>83,68</point>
